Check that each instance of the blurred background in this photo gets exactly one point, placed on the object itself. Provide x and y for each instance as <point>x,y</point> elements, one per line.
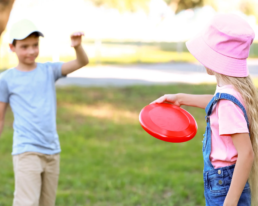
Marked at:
<point>123,31</point>
<point>137,54</point>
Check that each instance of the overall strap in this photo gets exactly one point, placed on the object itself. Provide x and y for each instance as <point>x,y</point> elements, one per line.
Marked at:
<point>229,97</point>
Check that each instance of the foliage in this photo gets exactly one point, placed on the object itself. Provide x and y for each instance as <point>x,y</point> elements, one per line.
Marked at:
<point>123,5</point>
<point>250,7</point>
<point>133,5</point>
<point>179,5</point>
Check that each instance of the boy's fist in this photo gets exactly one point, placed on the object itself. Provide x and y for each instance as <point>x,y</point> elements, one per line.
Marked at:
<point>76,39</point>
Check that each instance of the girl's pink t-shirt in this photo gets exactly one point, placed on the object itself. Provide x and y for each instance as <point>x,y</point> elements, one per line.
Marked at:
<point>226,119</point>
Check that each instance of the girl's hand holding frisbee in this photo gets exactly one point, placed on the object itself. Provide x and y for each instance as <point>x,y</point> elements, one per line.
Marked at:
<point>168,122</point>
<point>171,98</point>
<point>200,101</point>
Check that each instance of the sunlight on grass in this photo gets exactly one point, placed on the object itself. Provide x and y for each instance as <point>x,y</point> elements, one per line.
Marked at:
<point>104,111</point>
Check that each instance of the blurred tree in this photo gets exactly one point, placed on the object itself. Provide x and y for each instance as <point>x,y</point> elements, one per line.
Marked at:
<point>123,5</point>
<point>249,7</point>
<point>178,5</point>
<point>5,10</point>
<point>133,5</point>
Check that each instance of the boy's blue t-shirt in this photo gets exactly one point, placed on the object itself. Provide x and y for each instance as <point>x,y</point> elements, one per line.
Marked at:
<point>32,98</point>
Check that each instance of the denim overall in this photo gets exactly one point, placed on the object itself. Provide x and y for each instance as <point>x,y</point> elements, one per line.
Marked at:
<point>217,181</point>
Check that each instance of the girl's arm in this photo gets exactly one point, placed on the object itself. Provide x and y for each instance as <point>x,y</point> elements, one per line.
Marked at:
<point>200,101</point>
<point>242,170</point>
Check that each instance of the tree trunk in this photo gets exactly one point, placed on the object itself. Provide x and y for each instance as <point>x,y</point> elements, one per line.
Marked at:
<point>5,10</point>
<point>174,5</point>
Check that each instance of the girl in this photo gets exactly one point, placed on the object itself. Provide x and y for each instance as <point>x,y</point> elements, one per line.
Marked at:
<point>230,146</point>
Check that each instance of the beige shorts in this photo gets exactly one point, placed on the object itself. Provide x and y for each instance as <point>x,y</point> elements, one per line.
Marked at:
<point>36,179</point>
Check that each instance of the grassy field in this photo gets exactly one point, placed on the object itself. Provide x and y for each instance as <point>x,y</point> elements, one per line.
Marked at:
<point>107,159</point>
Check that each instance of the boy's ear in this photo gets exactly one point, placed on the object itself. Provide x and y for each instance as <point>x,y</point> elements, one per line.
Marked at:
<point>12,47</point>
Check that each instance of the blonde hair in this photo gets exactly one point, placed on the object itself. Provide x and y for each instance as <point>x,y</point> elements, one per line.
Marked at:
<point>246,88</point>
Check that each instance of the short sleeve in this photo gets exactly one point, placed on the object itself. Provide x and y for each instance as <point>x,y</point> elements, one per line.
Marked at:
<point>56,68</point>
<point>231,118</point>
<point>4,93</point>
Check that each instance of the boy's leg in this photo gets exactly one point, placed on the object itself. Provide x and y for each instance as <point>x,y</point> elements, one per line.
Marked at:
<point>49,180</point>
<point>27,172</point>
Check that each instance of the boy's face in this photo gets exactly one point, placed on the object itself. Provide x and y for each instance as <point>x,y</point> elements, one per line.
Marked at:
<point>27,50</point>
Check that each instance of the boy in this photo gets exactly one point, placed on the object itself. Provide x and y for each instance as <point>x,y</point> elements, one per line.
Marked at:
<point>29,88</point>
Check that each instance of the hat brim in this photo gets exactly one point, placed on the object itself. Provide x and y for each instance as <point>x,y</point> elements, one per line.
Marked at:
<point>216,61</point>
<point>24,37</point>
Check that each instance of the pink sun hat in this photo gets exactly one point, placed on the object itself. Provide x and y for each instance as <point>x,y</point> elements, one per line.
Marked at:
<point>224,45</point>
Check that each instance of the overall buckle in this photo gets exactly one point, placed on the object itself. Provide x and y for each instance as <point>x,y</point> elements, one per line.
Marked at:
<point>216,99</point>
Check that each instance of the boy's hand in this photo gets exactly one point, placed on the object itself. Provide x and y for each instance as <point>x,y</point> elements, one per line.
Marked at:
<point>81,56</point>
<point>76,39</point>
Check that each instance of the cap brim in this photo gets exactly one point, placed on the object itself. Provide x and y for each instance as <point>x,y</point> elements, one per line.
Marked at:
<point>24,37</point>
<point>216,61</point>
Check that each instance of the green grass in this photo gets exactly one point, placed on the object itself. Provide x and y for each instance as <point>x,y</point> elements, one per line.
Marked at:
<point>107,159</point>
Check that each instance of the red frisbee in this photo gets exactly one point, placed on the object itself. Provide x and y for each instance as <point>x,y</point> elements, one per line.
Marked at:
<point>168,122</point>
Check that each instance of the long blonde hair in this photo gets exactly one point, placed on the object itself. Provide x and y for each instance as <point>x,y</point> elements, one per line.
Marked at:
<point>246,88</point>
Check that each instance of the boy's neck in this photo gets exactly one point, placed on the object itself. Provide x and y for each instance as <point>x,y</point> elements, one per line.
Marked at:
<point>26,67</point>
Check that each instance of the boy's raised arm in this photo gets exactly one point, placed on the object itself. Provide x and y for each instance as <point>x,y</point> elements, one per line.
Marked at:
<point>81,56</point>
<point>3,107</point>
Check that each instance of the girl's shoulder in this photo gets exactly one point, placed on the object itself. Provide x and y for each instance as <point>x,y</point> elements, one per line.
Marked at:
<point>230,89</point>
